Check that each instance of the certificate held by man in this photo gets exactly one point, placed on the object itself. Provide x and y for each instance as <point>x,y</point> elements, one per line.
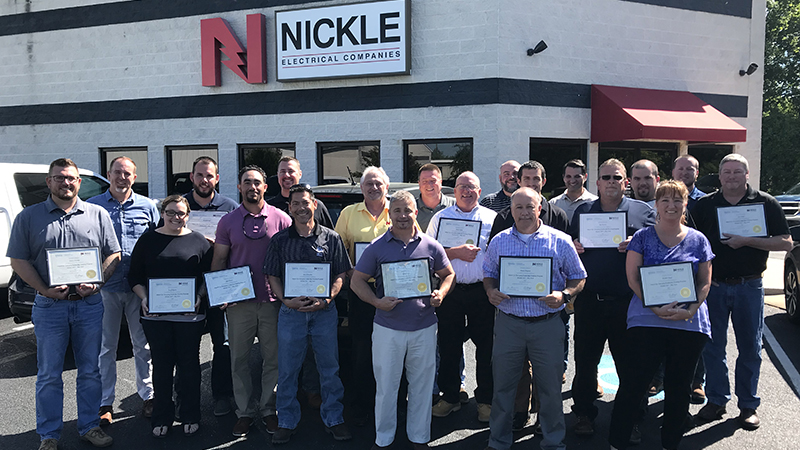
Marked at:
<point>522,276</point>
<point>71,266</point>
<point>456,232</point>
<point>742,220</point>
<point>229,286</point>
<point>602,229</point>
<point>406,279</point>
<point>667,283</point>
<point>307,280</point>
<point>171,295</point>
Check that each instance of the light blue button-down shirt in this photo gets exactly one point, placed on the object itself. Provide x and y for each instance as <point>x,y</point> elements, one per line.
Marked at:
<point>467,272</point>
<point>131,219</point>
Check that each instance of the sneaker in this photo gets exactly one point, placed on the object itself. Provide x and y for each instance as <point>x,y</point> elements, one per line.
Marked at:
<point>636,436</point>
<point>339,432</point>
<point>584,427</point>
<point>222,406</point>
<point>49,444</point>
<point>270,423</point>
<point>655,388</point>
<point>443,408</point>
<point>484,412</point>
<point>698,394</point>
<point>520,420</point>
<point>97,437</point>
<point>463,397</point>
<point>710,412</point>
<point>282,435</point>
<point>242,426</point>
<point>106,416</point>
<point>147,408</point>
<point>748,419</point>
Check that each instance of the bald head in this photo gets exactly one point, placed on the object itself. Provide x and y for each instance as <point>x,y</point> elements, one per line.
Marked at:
<point>468,191</point>
<point>508,176</point>
<point>526,205</point>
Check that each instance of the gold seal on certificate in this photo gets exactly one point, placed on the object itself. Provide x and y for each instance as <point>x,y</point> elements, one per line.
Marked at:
<point>171,295</point>
<point>359,248</point>
<point>307,280</point>
<point>602,229</point>
<point>667,283</point>
<point>74,266</point>
<point>747,220</point>
<point>406,279</point>
<point>525,276</point>
<point>205,222</point>
<point>455,232</point>
<point>229,286</point>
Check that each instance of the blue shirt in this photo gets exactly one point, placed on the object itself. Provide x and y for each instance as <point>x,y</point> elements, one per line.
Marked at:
<point>218,203</point>
<point>131,219</point>
<point>694,196</point>
<point>545,242</point>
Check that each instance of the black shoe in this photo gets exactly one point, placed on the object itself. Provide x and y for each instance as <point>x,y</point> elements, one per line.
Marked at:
<point>710,412</point>
<point>282,435</point>
<point>270,423</point>
<point>636,436</point>
<point>584,427</point>
<point>520,420</point>
<point>463,397</point>
<point>748,419</point>
<point>340,432</point>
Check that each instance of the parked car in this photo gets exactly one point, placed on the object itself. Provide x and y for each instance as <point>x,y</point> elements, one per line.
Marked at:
<point>790,202</point>
<point>791,277</point>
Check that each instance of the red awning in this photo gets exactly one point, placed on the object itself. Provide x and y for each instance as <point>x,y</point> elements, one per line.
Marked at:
<point>623,114</point>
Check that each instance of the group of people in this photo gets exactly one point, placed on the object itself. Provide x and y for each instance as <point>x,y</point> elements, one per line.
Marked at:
<point>521,338</point>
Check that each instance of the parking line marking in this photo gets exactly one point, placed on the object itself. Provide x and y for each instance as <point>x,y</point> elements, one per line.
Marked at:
<point>783,359</point>
<point>27,326</point>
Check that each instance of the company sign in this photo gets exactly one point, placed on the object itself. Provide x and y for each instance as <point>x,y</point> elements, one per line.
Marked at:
<point>354,40</point>
<point>216,37</point>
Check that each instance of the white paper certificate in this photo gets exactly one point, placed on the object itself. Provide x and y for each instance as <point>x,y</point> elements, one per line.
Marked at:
<point>455,232</point>
<point>602,230</point>
<point>522,276</point>
<point>667,283</point>
<point>205,222</point>
<point>359,248</point>
<point>74,266</point>
<point>406,279</point>
<point>229,286</point>
<point>743,220</point>
<point>307,280</point>
<point>171,295</point>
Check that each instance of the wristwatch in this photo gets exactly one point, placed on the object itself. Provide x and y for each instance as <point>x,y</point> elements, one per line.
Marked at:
<point>567,297</point>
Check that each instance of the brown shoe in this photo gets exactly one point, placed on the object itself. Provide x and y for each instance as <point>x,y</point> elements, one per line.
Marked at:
<point>242,426</point>
<point>147,408</point>
<point>106,416</point>
<point>270,423</point>
<point>698,394</point>
<point>748,419</point>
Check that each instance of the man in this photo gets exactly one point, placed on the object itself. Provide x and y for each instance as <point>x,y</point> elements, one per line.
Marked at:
<point>243,237</point>
<point>530,327</point>
<point>686,169</point>
<point>431,200</point>
<point>405,330</point>
<point>63,314</point>
<point>203,196</point>
<point>508,183</point>
<point>737,292</point>
<point>469,301</point>
<point>575,195</point>
<point>644,179</point>
<point>132,215</point>
<point>601,310</point>
<point>289,174</point>
<point>307,319</point>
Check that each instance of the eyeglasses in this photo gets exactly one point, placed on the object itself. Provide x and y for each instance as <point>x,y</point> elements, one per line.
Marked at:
<point>178,214</point>
<point>467,187</point>
<point>609,177</point>
<point>62,178</point>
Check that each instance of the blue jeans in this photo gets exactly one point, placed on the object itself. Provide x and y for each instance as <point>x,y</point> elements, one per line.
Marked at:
<point>744,305</point>
<point>294,328</point>
<point>55,323</point>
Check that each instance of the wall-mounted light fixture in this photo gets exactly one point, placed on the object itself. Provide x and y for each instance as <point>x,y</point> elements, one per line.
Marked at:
<point>750,69</point>
<point>539,48</point>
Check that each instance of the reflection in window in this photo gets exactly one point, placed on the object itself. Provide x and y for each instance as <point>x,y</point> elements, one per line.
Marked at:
<point>266,156</point>
<point>453,156</point>
<point>661,153</point>
<point>139,157</point>
<point>553,154</point>
<point>179,166</point>
<point>341,162</point>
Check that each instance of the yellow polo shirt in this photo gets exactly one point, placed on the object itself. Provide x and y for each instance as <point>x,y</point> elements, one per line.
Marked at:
<point>356,224</point>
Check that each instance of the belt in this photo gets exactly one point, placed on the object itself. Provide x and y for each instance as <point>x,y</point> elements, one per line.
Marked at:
<point>738,280</point>
<point>537,318</point>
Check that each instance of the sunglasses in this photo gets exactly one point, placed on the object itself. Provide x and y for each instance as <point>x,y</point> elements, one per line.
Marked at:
<point>609,177</point>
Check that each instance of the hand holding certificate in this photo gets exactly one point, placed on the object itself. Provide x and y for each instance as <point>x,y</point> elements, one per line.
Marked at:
<point>406,279</point>
<point>603,230</point>
<point>667,283</point>
<point>522,276</point>
<point>747,220</point>
<point>307,280</point>
<point>229,286</point>
<point>171,295</point>
<point>71,266</point>
<point>456,232</point>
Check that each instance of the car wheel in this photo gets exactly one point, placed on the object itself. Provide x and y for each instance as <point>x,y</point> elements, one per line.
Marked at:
<point>790,290</point>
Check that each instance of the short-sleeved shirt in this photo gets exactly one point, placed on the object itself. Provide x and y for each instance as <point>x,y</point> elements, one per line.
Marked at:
<point>218,203</point>
<point>131,219</point>
<point>551,215</point>
<point>606,266</point>
<point>694,248</point>
<point>323,245</point>
<point>46,226</point>
<point>467,272</point>
<point>425,214</point>
<point>568,205</point>
<point>321,215</point>
<point>745,261</point>
<point>411,314</point>
<point>496,201</point>
<point>545,242</point>
<point>245,251</point>
<point>356,224</point>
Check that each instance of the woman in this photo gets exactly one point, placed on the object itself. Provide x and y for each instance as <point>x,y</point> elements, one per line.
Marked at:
<point>675,333</point>
<point>172,251</point>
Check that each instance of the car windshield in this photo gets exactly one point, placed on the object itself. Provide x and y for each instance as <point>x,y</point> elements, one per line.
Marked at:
<point>795,190</point>
<point>32,188</point>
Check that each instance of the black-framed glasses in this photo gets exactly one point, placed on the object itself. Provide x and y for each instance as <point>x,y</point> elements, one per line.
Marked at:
<point>254,227</point>
<point>62,178</point>
<point>610,177</point>
<point>178,214</point>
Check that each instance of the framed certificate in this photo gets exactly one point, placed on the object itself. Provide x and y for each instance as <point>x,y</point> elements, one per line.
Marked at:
<point>406,279</point>
<point>74,266</point>
<point>205,222</point>
<point>307,280</point>
<point>747,220</point>
<point>171,295</point>
<point>359,248</point>
<point>229,286</point>
<point>602,229</point>
<point>455,232</point>
<point>526,276</point>
<point>666,283</point>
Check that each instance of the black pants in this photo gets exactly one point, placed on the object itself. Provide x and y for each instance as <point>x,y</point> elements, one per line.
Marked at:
<point>360,317</point>
<point>465,301</point>
<point>596,321</point>
<point>175,344</point>
<point>221,380</point>
<point>649,346</point>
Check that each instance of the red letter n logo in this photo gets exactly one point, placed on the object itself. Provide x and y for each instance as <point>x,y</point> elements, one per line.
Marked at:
<point>216,36</point>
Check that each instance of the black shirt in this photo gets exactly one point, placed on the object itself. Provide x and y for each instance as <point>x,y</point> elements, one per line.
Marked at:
<point>321,215</point>
<point>551,215</point>
<point>744,261</point>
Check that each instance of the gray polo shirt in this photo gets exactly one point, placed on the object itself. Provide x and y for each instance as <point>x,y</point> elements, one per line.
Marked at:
<point>46,226</point>
<point>425,214</point>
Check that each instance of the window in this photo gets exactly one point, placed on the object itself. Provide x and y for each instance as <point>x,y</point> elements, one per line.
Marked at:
<point>339,161</point>
<point>179,165</point>
<point>709,156</point>
<point>453,156</point>
<point>553,154</point>
<point>266,156</point>
<point>33,189</point>
<point>661,153</point>
<point>139,157</point>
